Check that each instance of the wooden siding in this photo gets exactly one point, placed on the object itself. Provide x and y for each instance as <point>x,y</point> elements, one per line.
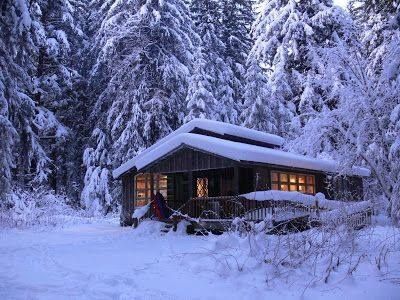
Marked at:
<point>188,159</point>
<point>261,178</point>
<point>220,181</point>
<point>333,187</point>
<point>180,185</point>
<point>128,196</point>
<point>246,180</point>
<point>226,177</point>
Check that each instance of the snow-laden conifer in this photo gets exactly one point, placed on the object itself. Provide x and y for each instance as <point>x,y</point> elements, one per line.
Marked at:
<point>200,99</point>
<point>288,38</point>
<point>237,17</point>
<point>259,108</point>
<point>147,48</point>
<point>23,40</point>
<point>362,128</point>
<point>207,18</point>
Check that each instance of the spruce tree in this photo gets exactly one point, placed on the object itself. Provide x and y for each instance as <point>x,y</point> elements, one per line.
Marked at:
<point>21,38</point>
<point>237,18</point>
<point>207,18</point>
<point>288,38</point>
<point>148,47</point>
<point>259,109</point>
<point>8,133</point>
<point>380,22</point>
<point>60,89</point>
<point>200,99</point>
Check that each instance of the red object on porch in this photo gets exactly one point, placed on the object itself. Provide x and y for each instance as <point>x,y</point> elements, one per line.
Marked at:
<point>161,210</point>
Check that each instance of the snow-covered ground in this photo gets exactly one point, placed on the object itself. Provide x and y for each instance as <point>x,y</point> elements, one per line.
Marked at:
<point>100,260</point>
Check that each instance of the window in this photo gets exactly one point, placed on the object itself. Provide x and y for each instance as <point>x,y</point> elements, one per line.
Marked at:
<point>293,182</point>
<point>202,187</point>
<point>161,184</point>
<point>143,187</point>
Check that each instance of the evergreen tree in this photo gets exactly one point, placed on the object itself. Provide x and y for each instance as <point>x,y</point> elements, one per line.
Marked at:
<point>200,99</point>
<point>288,37</point>
<point>237,17</point>
<point>380,22</point>
<point>207,18</point>
<point>148,46</point>
<point>21,36</point>
<point>96,195</point>
<point>362,129</point>
<point>380,36</point>
<point>259,109</point>
<point>60,88</point>
<point>8,133</point>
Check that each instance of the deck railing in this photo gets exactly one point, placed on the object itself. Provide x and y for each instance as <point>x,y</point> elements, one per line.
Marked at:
<point>229,207</point>
<point>292,213</point>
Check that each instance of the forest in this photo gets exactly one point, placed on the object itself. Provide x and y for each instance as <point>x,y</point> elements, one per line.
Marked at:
<point>87,84</point>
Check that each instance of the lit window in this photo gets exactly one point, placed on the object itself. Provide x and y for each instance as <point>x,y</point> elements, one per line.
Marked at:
<point>283,177</point>
<point>293,178</point>
<point>284,187</point>
<point>275,177</point>
<point>202,187</point>
<point>293,182</point>
<point>310,189</point>
<point>143,185</point>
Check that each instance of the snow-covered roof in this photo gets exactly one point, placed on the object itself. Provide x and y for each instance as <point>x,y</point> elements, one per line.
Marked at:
<point>209,125</point>
<point>235,151</point>
<point>229,129</point>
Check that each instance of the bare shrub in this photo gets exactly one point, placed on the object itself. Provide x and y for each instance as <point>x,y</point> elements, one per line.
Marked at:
<point>38,207</point>
<point>322,255</point>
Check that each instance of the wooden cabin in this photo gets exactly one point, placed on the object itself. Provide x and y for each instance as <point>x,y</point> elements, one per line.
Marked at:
<point>205,158</point>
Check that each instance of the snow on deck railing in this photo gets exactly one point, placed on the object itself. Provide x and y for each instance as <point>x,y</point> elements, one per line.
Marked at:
<point>278,205</point>
<point>345,211</point>
<point>141,211</point>
<point>336,211</point>
<point>304,199</point>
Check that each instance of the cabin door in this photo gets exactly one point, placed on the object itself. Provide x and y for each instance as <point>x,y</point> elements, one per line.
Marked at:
<point>181,189</point>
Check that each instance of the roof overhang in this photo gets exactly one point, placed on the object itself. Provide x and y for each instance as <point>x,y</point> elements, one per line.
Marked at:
<point>220,128</point>
<point>235,151</point>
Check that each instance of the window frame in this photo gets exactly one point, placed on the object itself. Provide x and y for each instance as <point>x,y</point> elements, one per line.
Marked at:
<point>152,185</point>
<point>203,183</point>
<point>276,185</point>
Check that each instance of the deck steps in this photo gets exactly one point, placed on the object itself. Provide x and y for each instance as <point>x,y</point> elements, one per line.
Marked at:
<point>167,228</point>
<point>202,232</point>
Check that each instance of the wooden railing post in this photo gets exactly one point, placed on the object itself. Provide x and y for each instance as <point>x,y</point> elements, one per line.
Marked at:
<point>317,207</point>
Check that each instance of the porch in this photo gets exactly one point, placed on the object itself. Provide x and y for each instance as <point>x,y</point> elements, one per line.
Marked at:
<point>179,187</point>
<point>280,212</point>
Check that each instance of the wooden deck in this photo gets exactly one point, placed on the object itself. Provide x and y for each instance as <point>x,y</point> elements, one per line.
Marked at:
<point>219,212</point>
<point>281,216</point>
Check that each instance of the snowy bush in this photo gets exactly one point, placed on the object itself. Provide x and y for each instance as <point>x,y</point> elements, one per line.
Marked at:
<point>319,255</point>
<point>39,207</point>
